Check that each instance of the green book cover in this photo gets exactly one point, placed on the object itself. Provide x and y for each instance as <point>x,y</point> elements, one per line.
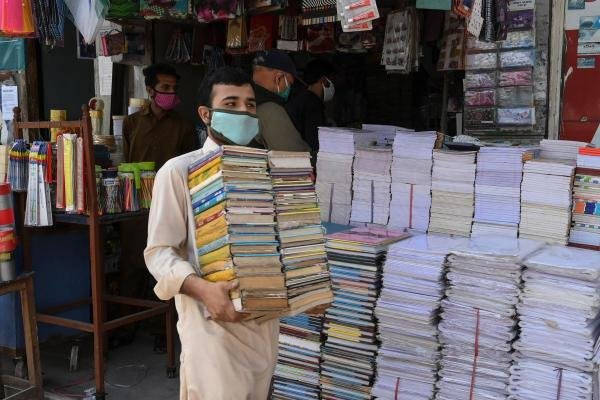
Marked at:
<point>434,4</point>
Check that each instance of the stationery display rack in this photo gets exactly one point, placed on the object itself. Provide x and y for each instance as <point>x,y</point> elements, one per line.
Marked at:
<point>99,326</point>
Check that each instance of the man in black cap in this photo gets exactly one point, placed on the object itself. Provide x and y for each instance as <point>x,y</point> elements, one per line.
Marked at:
<point>274,73</point>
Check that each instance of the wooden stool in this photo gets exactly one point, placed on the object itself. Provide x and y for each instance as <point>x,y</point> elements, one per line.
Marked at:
<point>24,285</point>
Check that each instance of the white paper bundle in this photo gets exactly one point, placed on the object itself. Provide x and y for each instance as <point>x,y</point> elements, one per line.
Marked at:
<point>561,149</point>
<point>452,192</point>
<point>478,317</point>
<point>559,316</point>
<point>546,195</point>
<point>407,311</point>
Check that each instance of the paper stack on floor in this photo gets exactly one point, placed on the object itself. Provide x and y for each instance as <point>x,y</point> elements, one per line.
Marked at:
<point>232,200</point>
<point>498,190</point>
<point>546,194</point>
<point>411,180</point>
<point>560,149</point>
<point>298,362</point>
<point>559,317</point>
<point>301,235</point>
<point>348,355</point>
<point>371,187</point>
<point>478,317</point>
<point>334,173</point>
<point>407,311</point>
<point>585,226</point>
<point>452,192</point>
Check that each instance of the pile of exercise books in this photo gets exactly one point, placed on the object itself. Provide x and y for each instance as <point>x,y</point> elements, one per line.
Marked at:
<point>234,214</point>
<point>556,355</point>
<point>546,193</point>
<point>348,355</point>
<point>334,174</point>
<point>371,186</point>
<point>411,180</point>
<point>452,192</point>
<point>565,150</point>
<point>478,322</point>
<point>408,314</point>
<point>301,235</point>
<point>498,190</point>
<point>298,362</point>
<point>585,225</point>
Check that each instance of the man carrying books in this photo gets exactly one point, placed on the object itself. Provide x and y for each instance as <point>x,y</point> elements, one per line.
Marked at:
<point>222,356</point>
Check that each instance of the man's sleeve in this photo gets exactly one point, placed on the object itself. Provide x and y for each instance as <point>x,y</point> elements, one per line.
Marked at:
<point>277,130</point>
<point>168,234</point>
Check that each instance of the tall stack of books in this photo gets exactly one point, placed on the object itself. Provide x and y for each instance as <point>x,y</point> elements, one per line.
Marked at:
<point>585,225</point>
<point>302,241</point>
<point>350,350</point>
<point>411,180</point>
<point>232,200</point>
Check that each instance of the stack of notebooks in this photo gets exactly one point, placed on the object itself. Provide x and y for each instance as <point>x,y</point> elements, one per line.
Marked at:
<point>298,362</point>
<point>348,355</point>
<point>301,235</point>
<point>232,201</point>
<point>478,317</point>
<point>407,311</point>
<point>585,225</point>
<point>546,194</point>
<point>371,186</point>
<point>566,150</point>
<point>557,352</point>
<point>452,192</point>
<point>411,180</point>
<point>334,174</point>
<point>498,190</point>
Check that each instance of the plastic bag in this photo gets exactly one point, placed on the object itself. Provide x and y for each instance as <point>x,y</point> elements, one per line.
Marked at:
<point>87,16</point>
<point>519,39</point>
<point>480,117</point>
<point>519,58</point>
<point>516,78</point>
<point>480,98</point>
<point>515,96</point>
<point>481,61</point>
<point>516,116</point>
<point>479,80</point>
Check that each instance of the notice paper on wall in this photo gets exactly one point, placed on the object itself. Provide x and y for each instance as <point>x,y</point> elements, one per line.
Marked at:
<point>105,75</point>
<point>10,100</point>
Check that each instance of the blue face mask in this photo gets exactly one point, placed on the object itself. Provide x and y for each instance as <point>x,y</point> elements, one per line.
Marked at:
<point>234,127</point>
<point>285,95</point>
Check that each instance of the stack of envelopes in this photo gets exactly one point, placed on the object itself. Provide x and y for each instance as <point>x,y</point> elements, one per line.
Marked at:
<point>546,196</point>
<point>411,180</point>
<point>348,355</point>
<point>408,313</point>
<point>232,201</point>
<point>478,321</point>
<point>498,190</point>
<point>557,352</point>
<point>371,186</point>
<point>298,362</point>
<point>301,235</point>
<point>585,225</point>
<point>452,192</point>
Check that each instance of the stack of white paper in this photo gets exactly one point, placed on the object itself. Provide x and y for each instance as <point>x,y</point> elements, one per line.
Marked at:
<point>371,186</point>
<point>561,149</point>
<point>452,192</point>
<point>559,316</point>
<point>478,317</point>
<point>498,190</point>
<point>411,180</point>
<point>407,310</point>
<point>546,194</point>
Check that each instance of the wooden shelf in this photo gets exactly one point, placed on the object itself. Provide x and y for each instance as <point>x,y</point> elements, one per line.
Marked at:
<point>82,219</point>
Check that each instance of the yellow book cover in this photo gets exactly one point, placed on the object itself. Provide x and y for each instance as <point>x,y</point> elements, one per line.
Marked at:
<point>218,255</point>
<point>221,276</point>
<point>199,171</point>
<point>199,179</point>
<point>218,232</point>
<point>211,226</point>
<point>209,215</point>
<point>304,211</point>
<point>216,266</point>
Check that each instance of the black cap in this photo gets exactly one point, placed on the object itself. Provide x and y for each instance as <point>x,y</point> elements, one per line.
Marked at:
<point>275,59</point>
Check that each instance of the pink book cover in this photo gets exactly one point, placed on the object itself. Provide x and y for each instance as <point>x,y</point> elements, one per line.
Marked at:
<point>369,235</point>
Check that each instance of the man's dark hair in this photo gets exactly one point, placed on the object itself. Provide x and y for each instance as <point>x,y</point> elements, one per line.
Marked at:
<point>151,73</point>
<point>316,69</point>
<point>222,76</point>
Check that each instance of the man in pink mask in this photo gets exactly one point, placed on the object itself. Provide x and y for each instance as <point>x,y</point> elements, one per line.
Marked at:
<point>158,133</point>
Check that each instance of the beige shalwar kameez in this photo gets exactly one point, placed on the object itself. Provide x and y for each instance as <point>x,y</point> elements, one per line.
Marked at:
<point>219,361</point>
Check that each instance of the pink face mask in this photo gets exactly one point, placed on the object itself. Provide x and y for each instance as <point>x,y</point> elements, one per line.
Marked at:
<point>166,101</point>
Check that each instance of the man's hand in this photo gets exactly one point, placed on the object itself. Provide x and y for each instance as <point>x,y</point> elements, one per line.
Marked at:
<point>318,310</point>
<point>215,297</point>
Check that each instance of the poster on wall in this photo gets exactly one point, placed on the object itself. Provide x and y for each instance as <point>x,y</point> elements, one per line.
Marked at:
<point>589,35</point>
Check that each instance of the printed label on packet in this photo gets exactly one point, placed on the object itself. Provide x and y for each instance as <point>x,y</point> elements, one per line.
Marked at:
<point>365,26</point>
<point>358,4</point>
<point>366,16</point>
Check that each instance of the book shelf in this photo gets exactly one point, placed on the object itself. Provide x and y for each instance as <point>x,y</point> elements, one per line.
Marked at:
<point>93,222</point>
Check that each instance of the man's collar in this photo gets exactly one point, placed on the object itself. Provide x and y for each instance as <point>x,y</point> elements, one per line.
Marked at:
<point>264,95</point>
